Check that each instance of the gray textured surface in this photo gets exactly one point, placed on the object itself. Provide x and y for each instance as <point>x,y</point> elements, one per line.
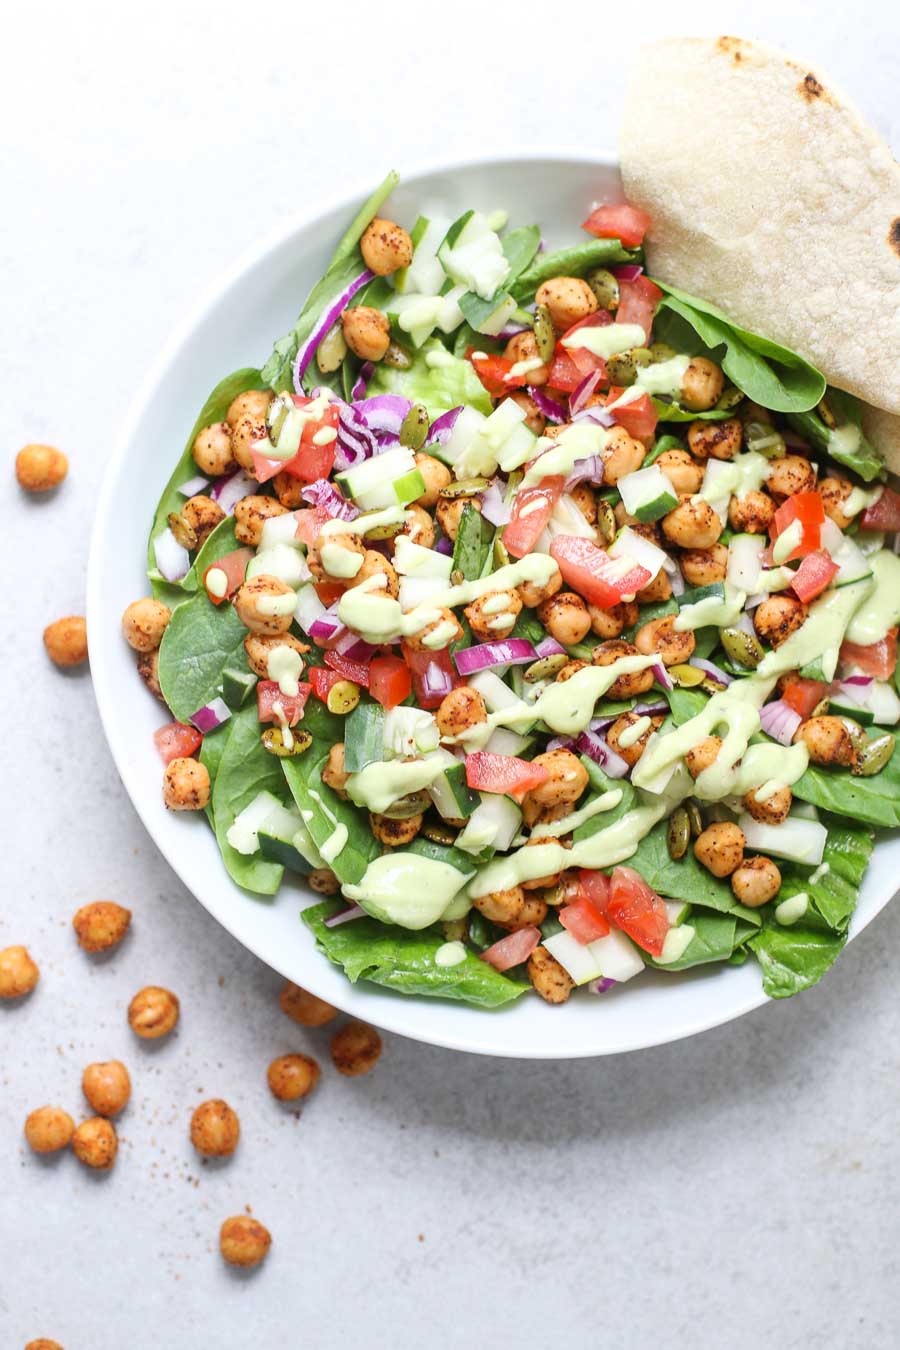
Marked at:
<point>737,1188</point>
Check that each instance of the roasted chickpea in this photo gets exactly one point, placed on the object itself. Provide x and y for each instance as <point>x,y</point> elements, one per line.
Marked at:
<point>462,709</point>
<point>144,623</point>
<point>244,1241</point>
<point>186,785</point>
<point>247,418</point>
<point>834,492</point>
<point>704,566</point>
<point>502,907</point>
<point>531,915</point>
<point>395,833</point>
<point>48,1129</point>
<point>448,513</point>
<point>773,810</point>
<point>534,418</point>
<point>153,1012</point>
<point>43,1343</point>
<point>107,1087</point>
<point>624,686</point>
<point>375,564</point>
<point>752,513</point>
<point>701,385</point>
<point>291,1077</point>
<point>95,1143</point>
<point>253,403</point>
<point>533,593</point>
<point>828,741</point>
<point>715,440</point>
<point>148,669</point>
<point>692,524</point>
<point>385,247</point>
<point>65,641</point>
<point>611,623</point>
<point>569,669</point>
<point>419,526</point>
<point>566,781</point>
<point>583,497</point>
<point>777,617</point>
<point>367,332</point>
<point>523,347</point>
<point>565,617</point>
<point>323,881</point>
<point>215,1129</point>
<point>622,455</point>
<point>265,604</point>
<point>660,588</point>
<point>355,1049</point>
<point>334,775</point>
<point>101,925</point>
<point>448,626</point>
<point>250,514</point>
<point>18,973</point>
<point>259,649</point>
<point>568,300</point>
<point>201,514</point>
<point>702,755</point>
<point>435,475</point>
<point>661,635</point>
<point>756,882</point>
<point>632,752</point>
<point>212,449</point>
<point>40,467</point>
<point>790,474</point>
<point>548,977</point>
<point>304,1007</point>
<point>493,615</point>
<point>288,490</point>
<point>683,473</point>
<point>720,848</point>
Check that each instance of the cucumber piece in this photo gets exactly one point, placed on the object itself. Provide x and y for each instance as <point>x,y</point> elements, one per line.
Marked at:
<point>745,562</point>
<point>471,253</point>
<point>378,473</point>
<point>413,560</point>
<point>677,912</point>
<point>425,275</point>
<point>408,488</point>
<point>237,686</point>
<point>452,795</point>
<point>814,670</point>
<point>283,561</point>
<point>364,737</point>
<point>647,493</point>
<point>466,428</point>
<point>799,840</point>
<point>259,814</point>
<point>578,959</point>
<point>487,316</point>
<point>505,742</point>
<point>282,851</point>
<point>415,315</point>
<point>839,705</point>
<point>884,703</point>
<point>493,824</point>
<point>411,731</point>
<point>714,591</point>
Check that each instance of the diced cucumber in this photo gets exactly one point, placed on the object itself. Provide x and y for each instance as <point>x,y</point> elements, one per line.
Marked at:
<point>452,795</point>
<point>716,491</point>
<point>677,912</point>
<point>280,530</point>
<point>884,703</point>
<point>519,446</point>
<point>282,851</point>
<point>364,731</point>
<point>505,742</point>
<point>425,275</point>
<point>839,705</point>
<point>578,959</point>
<point>493,824</point>
<point>745,562</point>
<point>242,834</point>
<point>410,731</point>
<point>471,253</point>
<point>497,695</point>
<point>798,840</point>
<point>277,838</point>
<point>466,428</point>
<point>852,563</point>
<point>415,315</point>
<point>378,474</point>
<point>695,594</point>
<point>814,670</point>
<point>629,544</point>
<point>237,686</point>
<point>487,316</point>
<point>647,493</point>
<point>415,561</point>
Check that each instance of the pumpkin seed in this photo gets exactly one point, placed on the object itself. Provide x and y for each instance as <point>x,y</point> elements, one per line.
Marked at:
<point>554,895</point>
<point>331,350</point>
<point>712,685</point>
<point>875,756</point>
<point>276,417</point>
<point>466,487</point>
<point>456,577</point>
<point>764,439</point>
<point>546,667</point>
<point>687,677</point>
<point>397,357</point>
<point>623,368</point>
<point>414,427</point>
<point>342,697</point>
<point>744,649</point>
<point>439,833</point>
<point>827,415</point>
<point>274,741</point>
<point>858,738</point>
<point>605,287</point>
<point>454,930</point>
<point>414,804</point>
<point>661,351</point>
<point>694,816</point>
<point>501,557</point>
<point>679,833</point>
<point>606,520</point>
<point>185,534</point>
<point>730,397</point>
<point>544,335</point>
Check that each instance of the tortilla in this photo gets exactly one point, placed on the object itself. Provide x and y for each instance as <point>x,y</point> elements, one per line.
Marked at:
<point>772,197</point>
<point>883,430</point>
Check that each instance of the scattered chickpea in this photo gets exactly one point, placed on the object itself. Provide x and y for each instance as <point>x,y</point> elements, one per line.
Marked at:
<point>531,915</point>
<point>259,649</point>
<point>660,588</point>
<point>355,1048</point>
<point>773,810</point>
<point>611,623</point>
<point>684,473</point>
<point>48,1129</point>
<point>291,1077</point>
<point>533,593</point>
<point>569,669</point>
<point>100,925</point>
<point>692,524</point>
<point>566,781</point>
<point>548,977</point>
<point>186,785</point>
<point>661,635</point>
<point>834,493</point>
<point>523,347</point>
<point>790,474</point>
<point>375,564</point>
<point>703,566</point>
<point>144,623</point>
<point>568,300</point>
<point>66,641</point>
<point>828,741</point>
<point>201,514</point>
<point>435,475</point>
<point>153,1012</point>
<point>250,514</point>
<point>622,455</point>
<point>212,449</point>
<point>43,1343</point>
<point>624,686</point>
<point>288,490</point>
<point>502,907</point>
<point>18,972</point>
<point>756,882</point>
<point>148,669</point>
<point>632,752</point>
<point>720,848</point>
<point>702,755</point>
<point>385,247</point>
<point>565,617</point>
<point>752,513</point>
<point>394,833</point>
<point>334,775</point>
<point>419,526</point>
<point>367,332</point>
<point>701,384</point>
<point>255,601</point>
<point>215,1129</point>
<point>778,617</point>
<point>303,1007</point>
<point>246,417</point>
<point>715,440</point>
<point>460,710</point>
<point>244,1241</point>
<point>40,467</point>
<point>107,1087</point>
<point>494,614</point>
<point>448,513</point>
<point>95,1143</point>
<point>323,880</point>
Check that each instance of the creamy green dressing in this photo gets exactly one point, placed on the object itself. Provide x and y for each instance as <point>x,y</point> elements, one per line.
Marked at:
<point>339,835</point>
<point>821,634</point>
<point>450,954</point>
<point>216,582</point>
<point>736,477</point>
<point>561,452</point>
<point>284,666</point>
<point>665,377</point>
<point>379,785</point>
<point>340,562</point>
<point>787,541</point>
<point>608,341</point>
<point>276,605</point>
<point>364,524</point>
<point>859,499</point>
<point>793,909</point>
<point>844,439</point>
<point>880,611</point>
<point>406,889</point>
<point>605,802</point>
<point>722,612</point>
<point>631,735</point>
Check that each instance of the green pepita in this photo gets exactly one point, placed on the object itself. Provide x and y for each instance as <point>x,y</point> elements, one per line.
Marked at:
<point>546,668</point>
<point>606,521</point>
<point>456,577</point>
<point>414,804</point>
<point>501,557</point>
<point>827,415</point>
<point>605,287</point>
<point>623,368</point>
<point>687,677</point>
<point>184,534</point>
<point>679,833</point>
<point>713,686</point>
<point>875,756</point>
<point>661,351</point>
<point>274,741</point>
<point>342,697</point>
<point>397,357</point>
<point>466,487</point>
<point>454,930</point>
<point>414,427</point>
<point>278,411</point>
<point>544,335</point>
<point>858,738</point>
<point>554,895</point>
<point>730,397</point>
<point>439,833</point>
<point>331,350</point>
<point>764,440</point>
<point>744,649</point>
<point>694,817</point>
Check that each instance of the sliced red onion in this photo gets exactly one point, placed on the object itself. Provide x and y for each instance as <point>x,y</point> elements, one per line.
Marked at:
<point>598,986</point>
<point>344,916</point>
<point>444,545</point>
<point>211,716</point>
<point>441,427</point>
<point>232,488</point>
<point>193,486</point>
<point>857,688</point>
<point>561,743</point>
<point>309,608</point>
<point>549,646</point>
<point>547,406</point>
<point>511,652</point>
<point>384,412</point>
<point>650,709</point>
<point>626,271</point>
<point>715,671</point>
<point>662,676</point>
<point>172,560</point>
<point>323,493</point>
<point>593,745</point>
<point>859,679</point>
<point>676,580</point>
<point>582,392</point>
<point>436,681</point>
<point>366,371</point>
<point>511,330</point>
<point>493,507</point>
<point>780,721</point>
<point>353,647</point>
<point>589,470</point>
<point>327,626</point>
<point>598,415</point>
<point>323,325</point>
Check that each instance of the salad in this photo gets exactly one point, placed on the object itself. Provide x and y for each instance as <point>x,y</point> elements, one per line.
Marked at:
<point>541,618</point>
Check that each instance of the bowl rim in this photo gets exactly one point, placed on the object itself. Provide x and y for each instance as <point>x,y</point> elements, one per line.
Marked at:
<point>193,318</point>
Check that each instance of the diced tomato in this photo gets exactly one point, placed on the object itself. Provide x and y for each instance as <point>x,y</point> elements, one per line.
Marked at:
<point>584,361</point>
<point>583,920</point>
<point>637,302</point>
<point>639,417</point>
<point>504,774</point>
<point>624,222</point>
<point>513,949</point>
<point>494,372</point>
<point>564,374</point>
<point>329,591</point>
<point>311,462</point>
<point>807,508</point>
<point>357,671</point>
<point>879,659</point>
<point>265,468</point>
<point>430,670</point>
<point>390,681</point>
<point>814,574</point>
<point>234,565</point>
<point>804,696</point>
<point>177,740</point>
<point>268,694</point>
<point>590,571</point>
<point>638,910</point>
<point>883,514</point>
<point>323,680</point>
<point>595,885</point>
<point>309,524</point>
<point>531,510</point>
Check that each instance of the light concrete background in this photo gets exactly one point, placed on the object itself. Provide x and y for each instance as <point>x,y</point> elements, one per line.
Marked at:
<point>737,1189</point>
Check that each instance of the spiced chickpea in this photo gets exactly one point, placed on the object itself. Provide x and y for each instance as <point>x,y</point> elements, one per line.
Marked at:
<point>323,881</point>
<point>304,1008</point>
<point>501,906</point>
<point>548,978</point>
<point>756,882</point>
<point>704,566</point>
<point>419,526</point>
<point>153,1012</point>
<point>534,418</point>
<point>790,474</point>
<point>583,497</point>
<point>661,635</point>
<point>367,332</point>
<point>144,623</point>
<point>355,1049</point>
<point>631,752</point>
<point>291,1077</point>
<point>834,492</point>
<point>43,1343</point>
<point>246,417</point>
<point>95,1143</point>
<point>569,669</point>
<point>751,513</point>
<point>186,785</point>
<point>65,641</point>
<point>448,513</point>
<point>375,564</point>
<point>48,1129</point>
<point>523,347</point>
<point>611,623</point>
<point>624,686</point>
<point>40,468</point>
<point>449,628</point>
<point>773,810</point>
<point>212,449</point>
<point>265,604</point>
<point>701,385</point>
<point>244,1241</point>
<point>259,648</point>
<point>148,669</point>
<point>778,617</point>
<point>828,741</point>
<point>715,440</point>
<point>201,514</point>
<point>460,710</point>
<point>385,246</point>
<point>720,848</point>
<point>101,925</point>
<point>692,524</point>
<point>107,1087</point>
<point>435,476</point>
<point>289,491</point>
<point>494,614</point>
<point>622,455</point>
<point>533,593</point>
<point>703,755</point>
<point>684,473</point>
<point>565,617</point>
<point>568,300</point>
<point>215,1129</point>
<point>18,972</point>
<point>531,915</point>
<point>660,588</point>
<point>566,781</point>
<point>334,775</point>
<point>251,514</point>
<point>395,833</point>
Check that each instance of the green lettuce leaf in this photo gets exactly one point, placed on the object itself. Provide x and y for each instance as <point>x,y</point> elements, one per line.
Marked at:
<point>684,879</point>
<point>244,770</point>
<point>793,959</point>
<point>404,961</point>
<point>440,388</point>
<point>834,894</point>
<point>199,642</point>
<point>472,545</point>
<point>570,262</point>
<point>715,938</point>
<point>872,801</point>
<point>865,459</point>
<point>304,778</point>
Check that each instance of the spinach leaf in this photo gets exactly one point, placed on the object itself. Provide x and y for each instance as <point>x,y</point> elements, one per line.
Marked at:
<point>599,783</point>
<point>440,387</point>
<point>570,262</point>
<point>405,961</point>
<point>715,938</point>
<point>213,410</point>
<point>200,641</point>
<point>211,752</point>
<point>848,849</point>
<point>346,263</point>
<point>766,372</point>
<point>673,412</point>
<point>364,736</point>
<point>326,810</point>
<point>520,247</point>
<point>685,704</point>
<point>873,801</point>
<point>682,880</point>
<point>793,959</point>
<point>245,769</point>
<point>864,459</point>
<point>473,543</point>
<point>664,443</point>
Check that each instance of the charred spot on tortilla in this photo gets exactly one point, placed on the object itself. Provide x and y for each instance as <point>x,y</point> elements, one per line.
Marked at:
<point>731,46</point>
<point>810,88</point>
<point>894,235</point>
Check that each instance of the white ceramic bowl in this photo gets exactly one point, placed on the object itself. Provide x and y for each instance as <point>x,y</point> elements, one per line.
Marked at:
<point>256,303</point>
